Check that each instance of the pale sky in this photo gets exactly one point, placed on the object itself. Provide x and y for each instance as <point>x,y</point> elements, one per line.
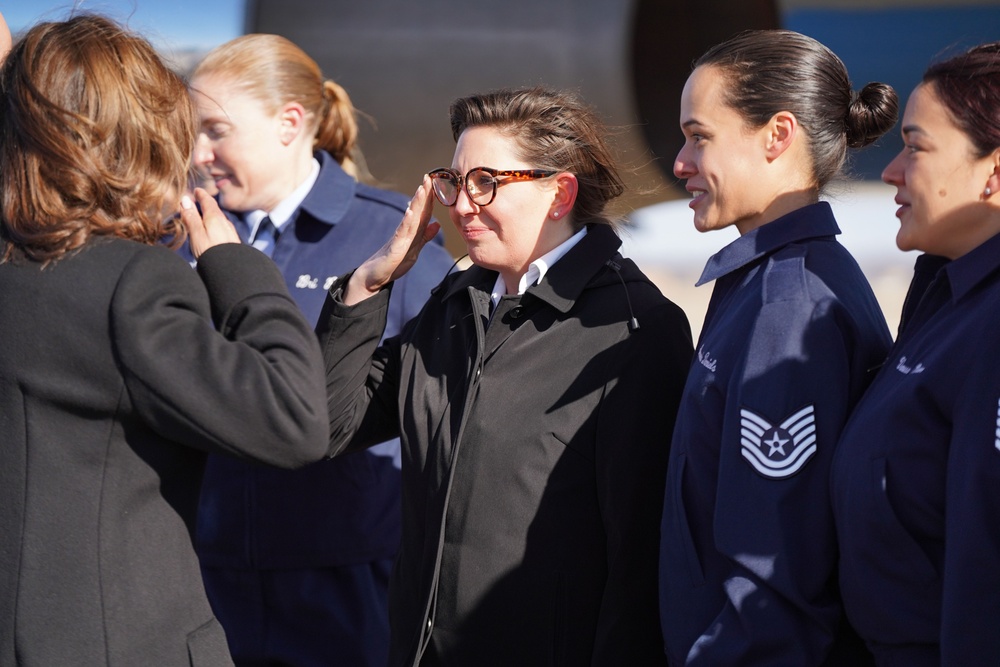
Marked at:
<point>168,24</point>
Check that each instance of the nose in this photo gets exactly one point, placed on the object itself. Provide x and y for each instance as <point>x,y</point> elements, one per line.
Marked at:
<point>203,153</point>
<point>893,172</point>
<point>464,204</point>
<point>683,165</point>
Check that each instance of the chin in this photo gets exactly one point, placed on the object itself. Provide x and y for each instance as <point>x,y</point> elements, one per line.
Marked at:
<point>904,243</point>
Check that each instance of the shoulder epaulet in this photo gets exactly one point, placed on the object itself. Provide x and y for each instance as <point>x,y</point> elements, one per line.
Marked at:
<point>785,275</point>
<point>387,197</point>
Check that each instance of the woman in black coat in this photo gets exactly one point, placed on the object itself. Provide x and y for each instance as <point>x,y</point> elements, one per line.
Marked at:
<point>114,383</point>
<point>534,396</point>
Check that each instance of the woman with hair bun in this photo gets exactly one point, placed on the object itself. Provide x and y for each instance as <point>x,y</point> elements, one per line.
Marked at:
<point>792,333</point>
<point>917,472</point>
<point>296,564</point>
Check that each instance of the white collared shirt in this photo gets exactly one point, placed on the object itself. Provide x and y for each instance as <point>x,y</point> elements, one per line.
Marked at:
<point>538,268</point>
<point>282,213</point>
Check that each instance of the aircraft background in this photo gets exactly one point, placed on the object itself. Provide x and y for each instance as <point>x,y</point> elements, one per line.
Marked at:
<point>404,61</point>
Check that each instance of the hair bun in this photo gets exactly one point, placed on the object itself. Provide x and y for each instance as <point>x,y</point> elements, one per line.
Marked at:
<point>872,112</point>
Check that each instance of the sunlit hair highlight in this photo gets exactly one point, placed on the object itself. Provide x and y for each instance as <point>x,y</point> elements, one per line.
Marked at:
<point>968,85</point>
<point>551,130</point>
<point>274,71</point>
<point>767,71</point>
<point>96,135</point>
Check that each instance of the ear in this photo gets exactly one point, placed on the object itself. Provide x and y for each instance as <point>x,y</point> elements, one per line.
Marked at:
<point>292,121</point>
<point>565,195</point>
<point>780,133</point>
<point>993,180</point>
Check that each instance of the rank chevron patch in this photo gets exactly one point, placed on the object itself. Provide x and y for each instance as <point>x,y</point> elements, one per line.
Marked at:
<point>778,451</point>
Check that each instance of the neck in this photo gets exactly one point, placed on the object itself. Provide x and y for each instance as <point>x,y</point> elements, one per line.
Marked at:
<point>555,236</point>
<point>782,205</point>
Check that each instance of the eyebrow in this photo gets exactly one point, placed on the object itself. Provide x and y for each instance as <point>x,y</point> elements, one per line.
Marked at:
<point>907,129</point>
<point>689,123</point>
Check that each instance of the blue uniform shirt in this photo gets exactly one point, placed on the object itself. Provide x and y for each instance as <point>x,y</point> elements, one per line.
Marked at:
<point>748,555</point>
<point>345,510</point>
<point>916,480</point>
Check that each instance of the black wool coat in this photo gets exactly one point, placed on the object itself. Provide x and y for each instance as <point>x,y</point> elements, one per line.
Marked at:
<point>534,454</point>
<point>114,384</point>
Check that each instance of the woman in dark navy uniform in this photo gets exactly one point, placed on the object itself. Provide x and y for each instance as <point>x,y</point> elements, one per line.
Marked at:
<point>748,554</point>
<point>297,563</point>
<point>916,479</point>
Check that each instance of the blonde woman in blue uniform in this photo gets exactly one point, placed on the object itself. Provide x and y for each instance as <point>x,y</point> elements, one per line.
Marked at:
<point>917,472</point>
<point>296,564</point>
<point>748,555</point>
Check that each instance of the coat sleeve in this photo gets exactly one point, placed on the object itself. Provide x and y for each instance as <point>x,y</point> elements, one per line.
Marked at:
<point>361,375</point>
<point>773,526</point>
<point>252,386</point>
<point>971,576</point>
<point>635,423</point>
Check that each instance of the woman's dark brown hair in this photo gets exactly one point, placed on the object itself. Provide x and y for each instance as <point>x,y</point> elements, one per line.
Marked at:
<point>768,71</point>
<point>968,85</point>
<point>96,135</point>
<point>552,130</point>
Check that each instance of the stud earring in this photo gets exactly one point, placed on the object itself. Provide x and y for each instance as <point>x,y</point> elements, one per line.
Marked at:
<point>987,192</point>
<point>555,214</point>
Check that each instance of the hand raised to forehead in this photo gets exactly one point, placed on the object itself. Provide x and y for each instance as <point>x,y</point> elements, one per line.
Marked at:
<point>400,252</point>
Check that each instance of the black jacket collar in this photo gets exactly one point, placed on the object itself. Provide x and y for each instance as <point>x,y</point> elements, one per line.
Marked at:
<point>565,281</point>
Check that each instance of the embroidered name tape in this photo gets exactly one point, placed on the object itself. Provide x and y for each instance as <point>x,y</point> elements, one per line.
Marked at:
<point>778,451</point>
<point>997,441</point>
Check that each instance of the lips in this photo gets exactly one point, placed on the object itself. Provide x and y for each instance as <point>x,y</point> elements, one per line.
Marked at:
<point>221,179</point>
<point>470,233</point>
<point>904,206</point>
<point>697,196</point>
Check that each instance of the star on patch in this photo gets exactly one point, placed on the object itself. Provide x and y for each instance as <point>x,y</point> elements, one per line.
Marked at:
<point>778,451</point>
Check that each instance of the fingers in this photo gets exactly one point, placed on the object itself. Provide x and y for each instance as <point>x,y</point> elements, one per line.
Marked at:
<point>208,228</point>
<point>431,231</point>
<point>195,226</point>
<point>416,225</point>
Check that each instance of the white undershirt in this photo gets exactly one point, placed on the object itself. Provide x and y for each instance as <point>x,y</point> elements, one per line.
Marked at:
<point>282,213</point>
<point>538,268</point>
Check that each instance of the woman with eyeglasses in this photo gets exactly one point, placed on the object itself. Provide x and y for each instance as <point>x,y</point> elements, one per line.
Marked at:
<point>534,395</point>
<point>280,143</point>
<point>916,478</point>
<point>791,339</point>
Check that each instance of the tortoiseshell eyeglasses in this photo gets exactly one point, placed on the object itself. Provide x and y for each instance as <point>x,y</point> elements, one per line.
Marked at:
<point>480,183</point>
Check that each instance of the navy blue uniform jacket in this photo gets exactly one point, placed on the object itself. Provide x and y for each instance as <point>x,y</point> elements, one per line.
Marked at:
<point>916,480</point>
<point>791,338</point>
<point>338,512</point>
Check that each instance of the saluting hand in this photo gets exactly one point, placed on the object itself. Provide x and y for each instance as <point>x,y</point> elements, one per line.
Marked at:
<point>210,227</point>
<point>400,252</point>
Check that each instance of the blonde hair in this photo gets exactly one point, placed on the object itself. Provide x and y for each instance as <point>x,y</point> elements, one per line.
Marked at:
<point>275,71</point>
<point>96,135</point>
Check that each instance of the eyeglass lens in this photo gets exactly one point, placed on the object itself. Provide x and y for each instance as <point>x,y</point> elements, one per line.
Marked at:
<point>479,184</point>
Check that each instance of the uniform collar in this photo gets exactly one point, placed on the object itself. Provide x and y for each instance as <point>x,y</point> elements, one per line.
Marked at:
<point>567,278</point>
<point>973,268</point>
<point>331,196</point>
<point>812,221</point>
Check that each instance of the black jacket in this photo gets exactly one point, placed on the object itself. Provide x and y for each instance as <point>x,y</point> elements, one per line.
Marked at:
<point>113,386</point>
<point>534,454</point>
